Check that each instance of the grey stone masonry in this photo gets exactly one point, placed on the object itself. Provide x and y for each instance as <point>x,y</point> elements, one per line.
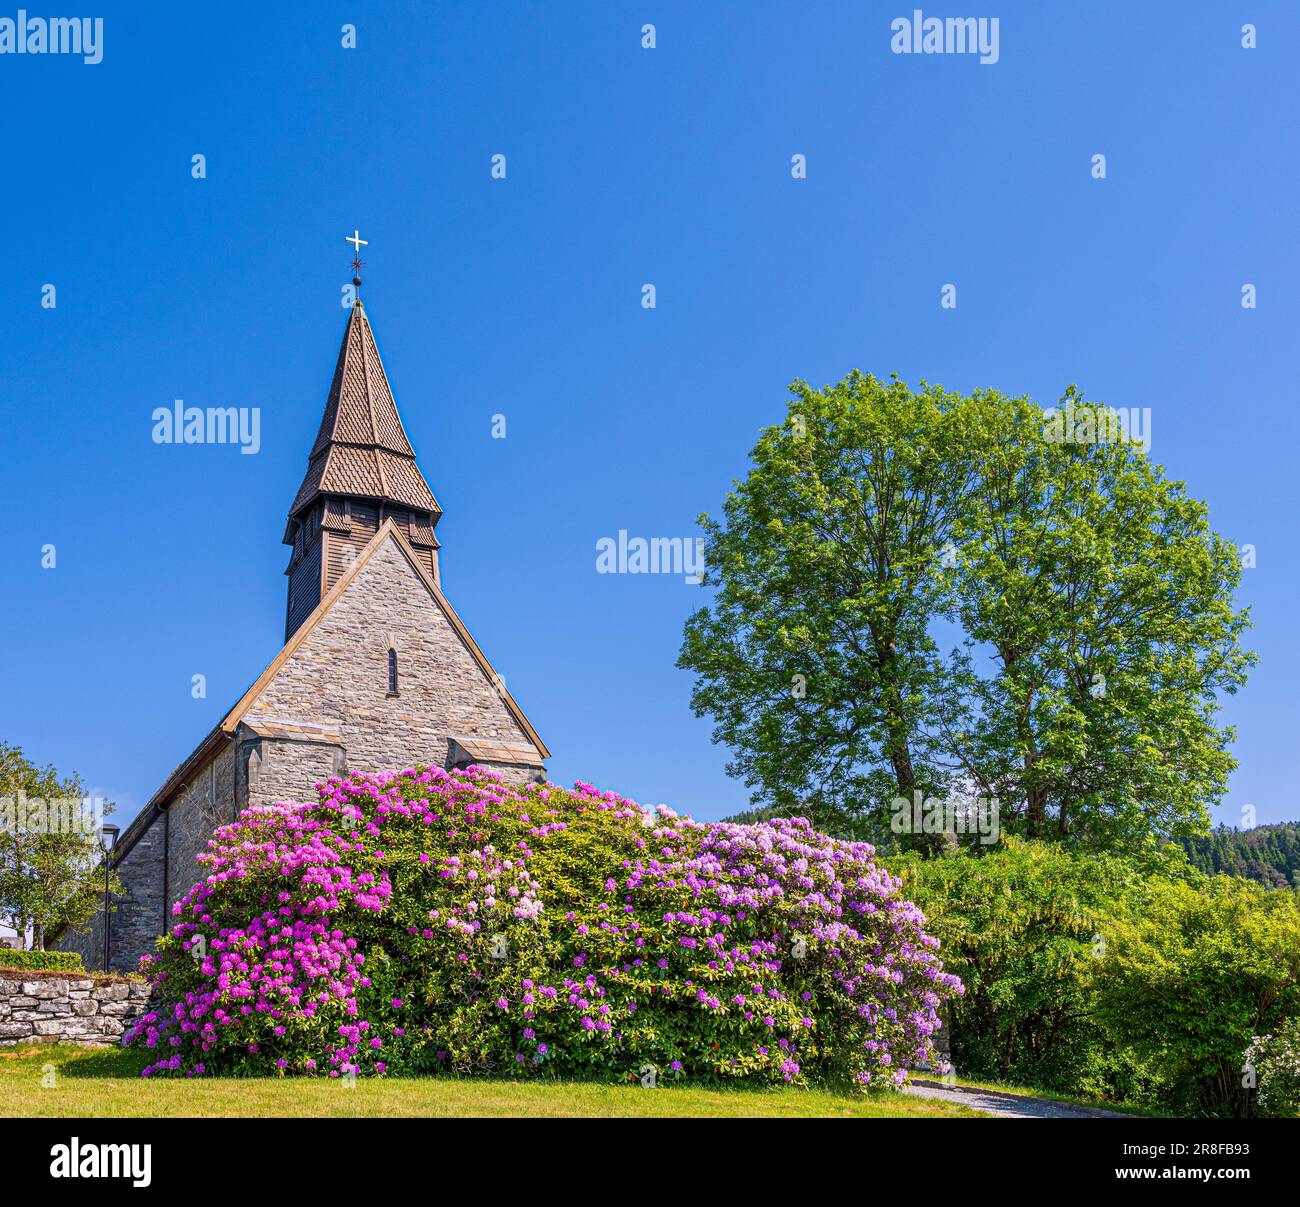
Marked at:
<point>160,868</point>
<point>339,676</point>
<point>67,1007</point>
<point>202,805</point>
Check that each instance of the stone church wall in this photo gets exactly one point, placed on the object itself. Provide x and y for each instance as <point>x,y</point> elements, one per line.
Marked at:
<point>336,681</point>
<point>163,860</point>
<point>516,773</point>
<point>340,675</point>
<point>288,770</point>
<point>206,801</point>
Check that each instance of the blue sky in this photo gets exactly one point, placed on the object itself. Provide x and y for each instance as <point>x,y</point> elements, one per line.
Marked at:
<point>625,166</point>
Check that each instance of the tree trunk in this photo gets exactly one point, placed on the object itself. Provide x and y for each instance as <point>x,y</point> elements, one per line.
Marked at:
<point>900,759</point>
<point>1036,808</point>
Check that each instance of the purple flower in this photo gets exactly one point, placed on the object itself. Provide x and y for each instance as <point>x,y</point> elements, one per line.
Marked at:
<point>296,913</point>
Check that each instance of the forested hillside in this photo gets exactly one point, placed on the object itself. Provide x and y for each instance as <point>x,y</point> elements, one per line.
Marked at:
<point>1267,854</point>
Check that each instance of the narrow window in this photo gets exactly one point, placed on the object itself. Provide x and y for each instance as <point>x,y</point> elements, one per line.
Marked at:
<point>392,672</point>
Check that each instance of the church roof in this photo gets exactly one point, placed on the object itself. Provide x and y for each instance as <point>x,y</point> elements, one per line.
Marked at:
<point>361,449</point>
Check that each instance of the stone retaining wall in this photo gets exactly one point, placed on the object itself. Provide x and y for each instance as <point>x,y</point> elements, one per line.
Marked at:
<point>66,1007</point>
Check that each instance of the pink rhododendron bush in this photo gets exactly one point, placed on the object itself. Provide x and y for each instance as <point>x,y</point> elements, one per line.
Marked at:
<point>426,920</point>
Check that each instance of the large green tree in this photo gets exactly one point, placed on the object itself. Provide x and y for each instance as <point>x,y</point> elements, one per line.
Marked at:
<point>816,659</point>
<point>51,866</point>
<point>1088,599</point>
<point>1100,633</point>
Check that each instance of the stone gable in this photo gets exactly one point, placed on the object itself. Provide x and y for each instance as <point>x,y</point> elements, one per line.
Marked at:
<point>338,678</point>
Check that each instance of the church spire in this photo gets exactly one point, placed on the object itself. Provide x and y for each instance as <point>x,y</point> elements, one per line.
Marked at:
<point>361,448</point>
<point>361,471</point>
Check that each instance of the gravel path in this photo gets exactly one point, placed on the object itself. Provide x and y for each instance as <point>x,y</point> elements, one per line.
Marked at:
<point>1007,1106</point>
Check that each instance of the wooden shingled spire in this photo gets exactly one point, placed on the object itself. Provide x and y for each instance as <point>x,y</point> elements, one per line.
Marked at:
<point>361,471</point>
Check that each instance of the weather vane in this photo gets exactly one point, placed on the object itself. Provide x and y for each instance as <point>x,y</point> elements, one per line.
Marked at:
<point>357,244</point>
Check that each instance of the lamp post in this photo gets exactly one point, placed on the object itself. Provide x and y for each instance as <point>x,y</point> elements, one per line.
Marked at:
<point>107,838</point>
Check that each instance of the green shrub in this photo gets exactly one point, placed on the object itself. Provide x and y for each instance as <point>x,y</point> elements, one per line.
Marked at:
<point>44,961</point>
<point>1093,974</point>
<point>1022,928</point>
<point>1193,975</point>
<point>424,920</point>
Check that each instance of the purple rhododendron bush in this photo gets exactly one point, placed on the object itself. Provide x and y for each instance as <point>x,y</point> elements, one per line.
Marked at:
<point>428,920</point>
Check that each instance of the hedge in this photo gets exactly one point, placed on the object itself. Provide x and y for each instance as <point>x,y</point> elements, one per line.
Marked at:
<point>41,961</point>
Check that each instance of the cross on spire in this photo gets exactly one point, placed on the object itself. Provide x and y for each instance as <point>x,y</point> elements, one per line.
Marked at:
<point>357,244</point>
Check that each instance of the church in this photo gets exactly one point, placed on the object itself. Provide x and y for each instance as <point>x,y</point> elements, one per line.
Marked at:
<point>377,670</point>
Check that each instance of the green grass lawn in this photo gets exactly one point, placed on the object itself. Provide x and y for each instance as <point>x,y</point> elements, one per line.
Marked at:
<point>107,1083</point>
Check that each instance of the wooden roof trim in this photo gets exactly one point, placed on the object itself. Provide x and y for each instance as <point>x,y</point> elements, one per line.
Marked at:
<point>308,626</point>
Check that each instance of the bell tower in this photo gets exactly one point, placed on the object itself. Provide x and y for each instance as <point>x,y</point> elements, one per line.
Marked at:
<point>361,472</point>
